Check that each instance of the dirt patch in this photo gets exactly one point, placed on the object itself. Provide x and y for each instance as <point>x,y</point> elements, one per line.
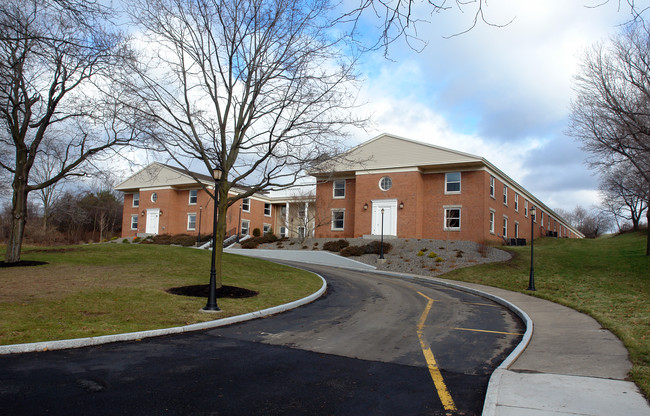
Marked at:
<point>23,263</point>
<point>201,291</point>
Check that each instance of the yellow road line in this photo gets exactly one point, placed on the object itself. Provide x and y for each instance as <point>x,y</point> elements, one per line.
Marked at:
<point>441,387</point>
<point>490,332</point>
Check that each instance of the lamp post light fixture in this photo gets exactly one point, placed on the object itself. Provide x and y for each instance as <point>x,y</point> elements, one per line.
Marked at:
<point>381,245</point>
<point>531,280</point>
<point>211,306</point>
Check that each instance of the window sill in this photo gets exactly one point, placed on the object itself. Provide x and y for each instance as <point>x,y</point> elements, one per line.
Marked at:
<point>451,229</point>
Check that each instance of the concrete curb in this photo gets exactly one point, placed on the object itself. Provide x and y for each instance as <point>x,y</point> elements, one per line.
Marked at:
<point>134,336</point>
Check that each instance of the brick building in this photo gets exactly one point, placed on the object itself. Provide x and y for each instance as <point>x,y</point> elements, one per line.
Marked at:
<point>426,191</point>
<point>162,199</point>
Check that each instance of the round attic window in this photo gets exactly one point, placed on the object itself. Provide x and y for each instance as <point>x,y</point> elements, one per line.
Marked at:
<point>385,183</point>
<point>154,197</point>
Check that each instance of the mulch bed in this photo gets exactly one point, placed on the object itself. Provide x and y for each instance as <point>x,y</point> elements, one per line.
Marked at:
<point>201,291</point>
<point>23,263</point>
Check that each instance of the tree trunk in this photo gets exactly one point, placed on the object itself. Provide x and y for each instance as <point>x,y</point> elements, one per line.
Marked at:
<point>18,219</point>
<point>222,207</point>
<point>647,244</point>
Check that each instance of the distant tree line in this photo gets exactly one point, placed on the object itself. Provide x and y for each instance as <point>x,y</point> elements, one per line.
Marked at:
<point>74,216</point>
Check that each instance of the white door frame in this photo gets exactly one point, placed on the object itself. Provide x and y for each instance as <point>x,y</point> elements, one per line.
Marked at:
<point>153,220</point>
<point>390,216</point>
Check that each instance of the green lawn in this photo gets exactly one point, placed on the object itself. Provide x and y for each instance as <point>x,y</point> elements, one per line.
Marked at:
<point>607,278</point>
<point>114,288</point>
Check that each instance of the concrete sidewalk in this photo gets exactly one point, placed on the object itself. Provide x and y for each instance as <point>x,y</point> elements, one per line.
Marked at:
<point>571,365</point>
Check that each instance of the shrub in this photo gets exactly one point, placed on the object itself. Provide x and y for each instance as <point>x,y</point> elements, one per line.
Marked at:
<point>355,251</point>
<point>439,260</point>
<point>432,254</point>
<point>250,243</point>
<point>459,253</point>
<point>305,247</point>
<point>114,238</point>
<point>136,239</point>
<point>424,249</point>
<point>420,253</point>
<point>374,247</point>
<point>335,246</point>
<point>256,232</point>
<point>125,241</point>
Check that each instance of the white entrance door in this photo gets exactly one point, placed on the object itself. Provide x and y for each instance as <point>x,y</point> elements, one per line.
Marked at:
<point>152,221</point>
<point>389,218</point>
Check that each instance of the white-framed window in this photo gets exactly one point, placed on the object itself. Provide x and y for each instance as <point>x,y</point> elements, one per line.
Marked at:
<point>385,183</point>
<point>301,232</point>
<point>302,211</point>
<point>516,229</point>
<point>505,195</point>
<point>548,224</point>
<point>338,219</point>
<point>542,217</point>
<point>191,221</point>
<point>492,186</point>
<point>534,216</point>
<point>283,232</point>
<point>452,219</point>
<point>525,208</point>
<point>505,226</point>
<point>266,228</point>
<point>154,197</point>
<point>452,183</point>
<point>516,202</point>
<point>246,205</point>
<point>245,227</point>
<point>136,200</point>
<point>267,209</point>
<point>491,222</point>
<point>193,196</point>
<point>134,221</point>
<point>338,188</point>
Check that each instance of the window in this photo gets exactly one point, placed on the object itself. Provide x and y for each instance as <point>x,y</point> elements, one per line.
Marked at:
<point>505,195</point>
<point>505,226</point>
<point>452,219</point>
<point>193,196</point>
<point>385,183</point>
<point>266,228</point>
<point>517,202</point>
<point>245,227</point>
<point>338,220</point>
<point>246,205</point>
<point>491,222</point>
<point>136,200</point>
<point>301,232</point>
<point>339,189</point>
<point>267,209</point>
<point>154,197</point>
<point>134,221</point>
<point>452,183</point>
<point>525,208</point>
<point>302,211</point>
<point>516,229</point>
<point>492,186</point>
<point>283,232</point>
<point>191,221</point>
<point>542,216</point>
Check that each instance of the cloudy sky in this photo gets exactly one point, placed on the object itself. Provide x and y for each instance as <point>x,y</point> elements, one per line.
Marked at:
<point>501,93</point>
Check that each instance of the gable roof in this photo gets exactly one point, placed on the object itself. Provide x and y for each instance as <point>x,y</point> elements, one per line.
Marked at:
<point>387,151</point>
<point>158,175</point>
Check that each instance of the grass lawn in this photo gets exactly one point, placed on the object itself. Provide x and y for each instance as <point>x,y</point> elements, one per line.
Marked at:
<point>607,278</point>
<point>115,288</point>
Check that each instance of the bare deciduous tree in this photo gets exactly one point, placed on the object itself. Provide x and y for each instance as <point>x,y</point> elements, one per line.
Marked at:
<point>625,194</point>
<point>257,89</point>
<point>611,114</point>
<point>56,62</point>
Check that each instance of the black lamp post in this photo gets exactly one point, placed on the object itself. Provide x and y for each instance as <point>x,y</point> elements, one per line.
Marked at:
<point>381,246</point>
<point>239,223</point>
<point>211,306</point>
<point>531,280</point>
<point>198,237</point>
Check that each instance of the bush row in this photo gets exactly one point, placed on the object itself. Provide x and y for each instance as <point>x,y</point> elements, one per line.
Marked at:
<point>254,242</point>
<point>373,247</point>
